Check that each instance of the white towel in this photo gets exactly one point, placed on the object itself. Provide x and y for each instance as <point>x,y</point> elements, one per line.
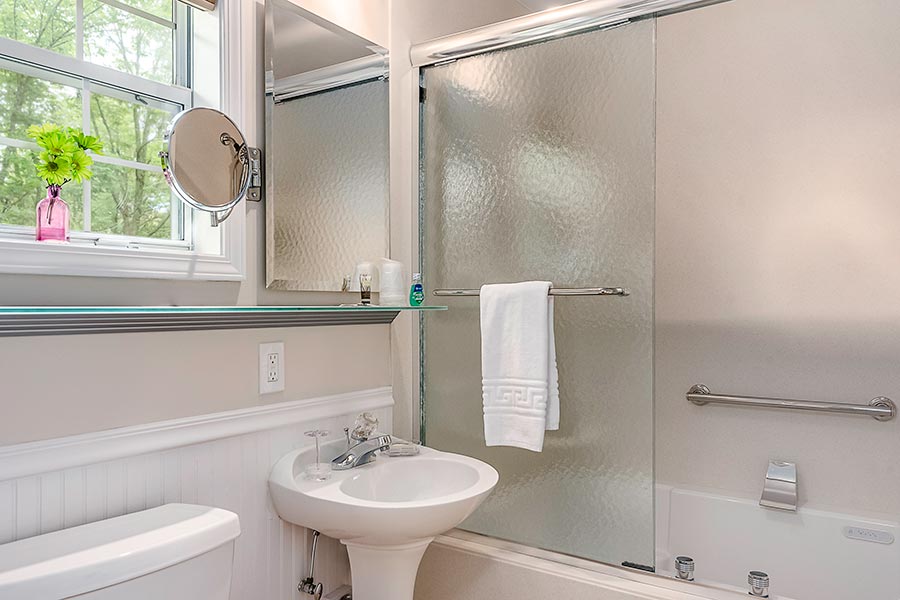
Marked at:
<point>520,386</point>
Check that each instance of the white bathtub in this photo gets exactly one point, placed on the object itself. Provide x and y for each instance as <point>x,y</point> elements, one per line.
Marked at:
<point>808,554</point>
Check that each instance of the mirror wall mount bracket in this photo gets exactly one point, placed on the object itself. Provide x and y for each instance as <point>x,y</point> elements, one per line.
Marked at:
<point>254,186</point>
<point>254,191</point>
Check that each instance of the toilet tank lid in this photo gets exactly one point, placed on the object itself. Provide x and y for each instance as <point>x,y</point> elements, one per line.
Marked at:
<point>90,557</point>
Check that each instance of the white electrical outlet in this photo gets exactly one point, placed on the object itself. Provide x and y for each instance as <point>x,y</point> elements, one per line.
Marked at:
<point>271,367</point>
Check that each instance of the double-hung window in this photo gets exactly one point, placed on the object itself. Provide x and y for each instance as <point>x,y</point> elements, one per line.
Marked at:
<point>119,70</point>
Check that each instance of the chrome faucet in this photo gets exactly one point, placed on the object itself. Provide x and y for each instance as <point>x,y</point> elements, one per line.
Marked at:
<point>362,453</point>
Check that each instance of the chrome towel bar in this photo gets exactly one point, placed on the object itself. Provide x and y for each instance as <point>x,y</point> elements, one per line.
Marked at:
<point>880,408</point>
<point>598,291</point>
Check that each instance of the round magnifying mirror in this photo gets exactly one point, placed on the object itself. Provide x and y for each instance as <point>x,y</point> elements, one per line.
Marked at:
<point>207,161</point>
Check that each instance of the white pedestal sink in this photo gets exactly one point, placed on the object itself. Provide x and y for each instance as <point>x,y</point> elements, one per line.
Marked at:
<point>385,512</point>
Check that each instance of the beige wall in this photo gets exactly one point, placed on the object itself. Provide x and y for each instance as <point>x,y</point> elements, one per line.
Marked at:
<point>777,227</point>
<point>60,385</point>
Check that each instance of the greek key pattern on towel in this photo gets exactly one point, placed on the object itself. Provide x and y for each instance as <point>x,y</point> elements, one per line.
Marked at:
<point>514,395</point>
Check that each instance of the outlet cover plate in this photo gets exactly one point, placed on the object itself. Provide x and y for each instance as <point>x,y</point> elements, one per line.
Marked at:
<point>271,367</point>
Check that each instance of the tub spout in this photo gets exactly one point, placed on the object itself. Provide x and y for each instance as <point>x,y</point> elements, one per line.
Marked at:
<point>780,487</point>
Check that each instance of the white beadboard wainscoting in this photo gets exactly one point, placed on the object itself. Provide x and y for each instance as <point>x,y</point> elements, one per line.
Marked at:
<point>220,460</point>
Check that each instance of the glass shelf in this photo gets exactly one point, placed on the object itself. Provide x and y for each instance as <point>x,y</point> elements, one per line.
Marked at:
<point>65,320</point>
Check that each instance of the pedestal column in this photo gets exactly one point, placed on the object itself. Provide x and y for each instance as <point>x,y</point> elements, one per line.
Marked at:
<point>385,572</point>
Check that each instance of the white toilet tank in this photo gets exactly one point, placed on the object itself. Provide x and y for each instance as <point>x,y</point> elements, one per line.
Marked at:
<point>173,552</point>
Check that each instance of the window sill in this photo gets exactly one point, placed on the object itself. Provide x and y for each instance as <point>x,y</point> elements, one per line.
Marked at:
<point>43,258</point>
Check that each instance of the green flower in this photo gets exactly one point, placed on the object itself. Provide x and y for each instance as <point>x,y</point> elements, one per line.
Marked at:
<point>37,132</point>
<point>56,170</point>
<point>86,142</point>
<point>57,143</point>
<point>65,153</point>
<point>80,163</point>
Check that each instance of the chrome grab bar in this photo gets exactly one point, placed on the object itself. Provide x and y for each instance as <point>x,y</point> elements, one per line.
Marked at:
<point>598,291</point>
<point>880,408</point>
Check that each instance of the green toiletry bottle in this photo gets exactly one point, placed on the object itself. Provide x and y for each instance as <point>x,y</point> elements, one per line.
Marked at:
<point>416,291</point>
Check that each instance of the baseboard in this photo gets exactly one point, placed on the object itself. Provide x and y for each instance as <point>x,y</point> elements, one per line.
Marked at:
<point>32,458</point>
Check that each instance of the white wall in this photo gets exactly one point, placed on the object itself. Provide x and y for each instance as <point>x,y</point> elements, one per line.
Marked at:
<point>777,227</point>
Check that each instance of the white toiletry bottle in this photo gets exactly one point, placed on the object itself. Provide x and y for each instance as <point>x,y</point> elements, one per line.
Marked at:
<point>393,290</point>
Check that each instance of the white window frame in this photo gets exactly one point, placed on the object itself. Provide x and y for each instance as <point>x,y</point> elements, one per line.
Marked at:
<point>98,255</point>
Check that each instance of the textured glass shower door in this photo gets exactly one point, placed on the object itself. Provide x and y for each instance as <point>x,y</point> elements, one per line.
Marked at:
<point>538,163</point>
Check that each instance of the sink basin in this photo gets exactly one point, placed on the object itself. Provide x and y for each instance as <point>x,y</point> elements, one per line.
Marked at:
<point>401,481</point>
<point>385,512</point>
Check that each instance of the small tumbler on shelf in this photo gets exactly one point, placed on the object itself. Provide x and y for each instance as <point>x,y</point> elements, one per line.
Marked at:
<point>365,289</point>
<point>318,470</point>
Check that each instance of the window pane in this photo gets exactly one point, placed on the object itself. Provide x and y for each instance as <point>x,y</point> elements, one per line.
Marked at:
<point>26,100</point>
<point>21,189</point>
<point>47,24</point>
<point>130,202</point>
<point>119,40</point>
<point>129,130</point>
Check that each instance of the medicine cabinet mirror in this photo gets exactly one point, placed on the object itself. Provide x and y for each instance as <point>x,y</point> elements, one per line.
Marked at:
<point>326,148</point>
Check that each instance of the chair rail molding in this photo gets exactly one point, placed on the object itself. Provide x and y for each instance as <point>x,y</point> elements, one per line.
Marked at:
<point>32,458</point>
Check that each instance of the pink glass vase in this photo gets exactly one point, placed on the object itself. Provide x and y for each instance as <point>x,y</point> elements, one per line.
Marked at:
<point>52,218</point>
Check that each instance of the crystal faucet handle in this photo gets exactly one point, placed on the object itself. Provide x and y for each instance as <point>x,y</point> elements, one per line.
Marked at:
<point>365,427</point>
